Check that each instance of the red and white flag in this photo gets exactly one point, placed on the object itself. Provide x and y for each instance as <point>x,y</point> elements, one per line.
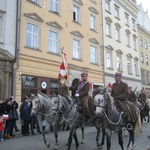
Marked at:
<point>110,85</point>
<point>91,85</point>
<point>5,117</point>
<point>63,72</point>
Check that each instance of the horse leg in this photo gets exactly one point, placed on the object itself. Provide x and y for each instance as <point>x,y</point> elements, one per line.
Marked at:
<point>120,138</point>
<point>47,144</point>
<point>108,136</point>
<point>76,139</point>
<point>82,129</point>
<point>103,136</point>
<point>56,139</point>
<point>72,131</point>
<point>131,138</point>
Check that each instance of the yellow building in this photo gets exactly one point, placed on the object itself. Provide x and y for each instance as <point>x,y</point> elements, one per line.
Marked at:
<point>44,28</point>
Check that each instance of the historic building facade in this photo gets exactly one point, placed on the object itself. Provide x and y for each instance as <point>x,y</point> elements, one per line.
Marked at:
<point>46,27</point>
<point>144,47</point>
<point>7,46</point>
<point>120,43</point>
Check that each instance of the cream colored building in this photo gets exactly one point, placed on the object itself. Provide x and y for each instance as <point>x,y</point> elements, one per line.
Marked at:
<point>47,26</point>
<point>144,47</point>
<point>120,42</point>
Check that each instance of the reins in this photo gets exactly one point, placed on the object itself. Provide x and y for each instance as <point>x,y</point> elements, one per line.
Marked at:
<point>64,116</point>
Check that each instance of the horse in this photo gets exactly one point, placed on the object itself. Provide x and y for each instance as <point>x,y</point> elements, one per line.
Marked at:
<point>73,117</point>
<point>42,104</point>
<point>113,119</point>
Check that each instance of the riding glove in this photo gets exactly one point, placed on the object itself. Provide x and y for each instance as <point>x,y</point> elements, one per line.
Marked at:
<point>77,95</point>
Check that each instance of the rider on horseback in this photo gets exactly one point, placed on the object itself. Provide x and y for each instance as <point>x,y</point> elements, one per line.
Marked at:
<point>120,93</point>
<point>82,92</point>
<point>132,97</point>
<point>142,97</point>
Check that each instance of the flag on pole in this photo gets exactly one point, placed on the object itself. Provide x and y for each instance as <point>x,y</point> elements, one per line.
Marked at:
<point>91,86</point>
<point>63,72</point>
<point>109,85</point>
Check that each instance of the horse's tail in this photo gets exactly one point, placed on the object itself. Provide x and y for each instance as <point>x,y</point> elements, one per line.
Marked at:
<point>138,125</point>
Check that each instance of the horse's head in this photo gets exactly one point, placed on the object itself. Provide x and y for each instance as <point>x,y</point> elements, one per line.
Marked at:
<point>57,103</point>
<point>37,105</point>
<point>100,101</point>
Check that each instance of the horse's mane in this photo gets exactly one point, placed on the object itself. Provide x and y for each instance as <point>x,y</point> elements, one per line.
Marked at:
<point>44,95</point>
<point>66,97</point>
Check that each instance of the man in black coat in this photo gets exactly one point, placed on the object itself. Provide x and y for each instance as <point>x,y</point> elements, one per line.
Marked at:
<point>25,116</point>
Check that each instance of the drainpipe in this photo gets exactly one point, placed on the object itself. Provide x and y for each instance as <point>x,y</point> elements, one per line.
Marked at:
<point>17,46</point>
<point>102,46</point>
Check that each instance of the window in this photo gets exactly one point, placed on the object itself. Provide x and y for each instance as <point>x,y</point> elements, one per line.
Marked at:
<point>134,43</point>
<point>127,19</point>
<point>127,39</point>
<point>129,66</point>
<point>108,29</point>
<point>116,11</point>
<point>76,49</point>
<point>53,42</point>
<point>107,5</point>
<point>32,36</point>
<point>146,59</point>
<point>141,41</point>
<point>133,24</point>
<point>76,14</point>
<point>119,63</point>
<point>54,6</point>
<point>92,22</point>
<point>109,60</point>
<point>117,34</point>
<point>142,57</point>
<point>93,1</point>
<point>1,26</point>
<point>146,45</point>
<point>93,54</point>
<point>35,1</point>
<point>136,68</point>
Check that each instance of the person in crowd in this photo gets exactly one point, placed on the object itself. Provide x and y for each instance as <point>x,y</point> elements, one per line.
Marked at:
<point>15,115</point>
<point>120,93</point>
<point>82,92</point>
<point>34,122</point>
<point>1,127</point>
<point>7,109</point>
<point>25,116</point>
<point>132,97</point>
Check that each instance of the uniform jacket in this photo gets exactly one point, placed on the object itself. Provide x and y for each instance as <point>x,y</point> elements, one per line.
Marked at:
<point>120,90</point>
<point>142,97</point>
<point>84,90</point>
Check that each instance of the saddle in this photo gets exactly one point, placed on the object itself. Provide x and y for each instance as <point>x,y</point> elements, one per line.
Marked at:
<point>131,111</point>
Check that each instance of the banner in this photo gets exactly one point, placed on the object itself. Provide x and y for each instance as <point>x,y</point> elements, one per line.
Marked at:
<point>63,72</point>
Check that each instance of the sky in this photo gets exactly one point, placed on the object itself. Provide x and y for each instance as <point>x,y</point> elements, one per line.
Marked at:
<point>145,4</point>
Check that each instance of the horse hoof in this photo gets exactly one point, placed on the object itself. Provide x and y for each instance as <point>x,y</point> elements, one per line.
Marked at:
<point>55,148</point>
<point>66,144</point>
<point>48,145</point>
<point>82,142</point>
<point>100,147</point>
<point>149,136</point>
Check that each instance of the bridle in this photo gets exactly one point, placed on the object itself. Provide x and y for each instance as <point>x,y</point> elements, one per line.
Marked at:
<point>61,111</point>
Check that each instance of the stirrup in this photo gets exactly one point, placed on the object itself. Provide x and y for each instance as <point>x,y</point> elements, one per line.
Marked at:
<point>129,126</point>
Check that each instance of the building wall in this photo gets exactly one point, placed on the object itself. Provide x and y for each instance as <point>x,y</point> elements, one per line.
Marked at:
<point>119,47</point>
<point>7,46</point>
<point>44,64</point>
